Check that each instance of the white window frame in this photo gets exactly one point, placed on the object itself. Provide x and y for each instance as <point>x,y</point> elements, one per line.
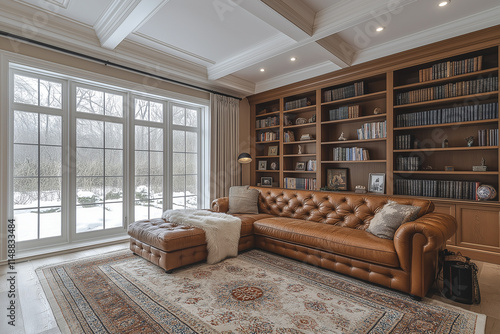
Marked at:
<point>63,113</point>
<point>8,61</point>
<point>74,115</point>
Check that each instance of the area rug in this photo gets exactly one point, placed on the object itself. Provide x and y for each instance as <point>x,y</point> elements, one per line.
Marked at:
<point>256,292</point>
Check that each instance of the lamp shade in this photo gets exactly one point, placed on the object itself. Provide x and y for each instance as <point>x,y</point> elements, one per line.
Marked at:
<point>244,158</point>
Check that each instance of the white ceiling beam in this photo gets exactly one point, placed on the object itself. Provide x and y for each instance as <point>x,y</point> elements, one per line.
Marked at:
<point>340,16</point>
<point>342,52</point>
<point>123,17</point>
<point>273,18</point>
<point>296,12</point>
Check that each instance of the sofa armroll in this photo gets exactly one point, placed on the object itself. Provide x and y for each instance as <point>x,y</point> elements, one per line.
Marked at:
<point>418,243</point>
<point>220,204</point>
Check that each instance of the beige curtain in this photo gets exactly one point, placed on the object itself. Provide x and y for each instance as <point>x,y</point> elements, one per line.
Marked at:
<point>224,167</point>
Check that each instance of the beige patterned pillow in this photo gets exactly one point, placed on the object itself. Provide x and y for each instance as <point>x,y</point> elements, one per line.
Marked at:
<point>243,200</point>
<point>385,222</point>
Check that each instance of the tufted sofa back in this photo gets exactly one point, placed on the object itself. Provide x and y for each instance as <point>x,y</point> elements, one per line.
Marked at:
<point>342,209</point>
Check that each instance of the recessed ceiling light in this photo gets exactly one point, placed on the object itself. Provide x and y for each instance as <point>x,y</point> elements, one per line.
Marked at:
<point>379,29</point>
<point>293,59</point>
<point>262,70</point>
<point>444,3</point>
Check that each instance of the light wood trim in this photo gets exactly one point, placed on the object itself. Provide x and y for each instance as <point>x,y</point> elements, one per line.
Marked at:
<point>389,143</point>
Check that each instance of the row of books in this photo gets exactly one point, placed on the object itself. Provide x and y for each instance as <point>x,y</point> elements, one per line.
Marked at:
<point>449,115</point>
<point>300,103</point>
<point>452,89</point>
<point>355,89</point>
<point>269,121</point>
<point>487,137</point>
<point>288,136</point>
<point>408,163</point>
<point>450,68</point>
<point>300,183</point>
<point>268,136</point>
<point>373,130</point>
<point>350,154</point>
<point>437,188</point>
<point>404,142</point>
<point>344,112</point>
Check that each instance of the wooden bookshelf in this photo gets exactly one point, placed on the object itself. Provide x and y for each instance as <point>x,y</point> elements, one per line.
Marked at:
<point>472,57</point>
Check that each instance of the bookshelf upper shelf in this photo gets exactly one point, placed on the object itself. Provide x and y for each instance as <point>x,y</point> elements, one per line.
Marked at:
<point>448,79</point>
<point>480,97</point>
<point>360,98</point>
<point>483,121</point>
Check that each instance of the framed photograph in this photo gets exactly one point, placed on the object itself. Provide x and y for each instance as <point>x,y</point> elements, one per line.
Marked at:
<point>262,164</point>
<point>301,165</point>
<point>273,150</point>
<point>266,181</point>
<point>376,183</point>
<point>336,179</point>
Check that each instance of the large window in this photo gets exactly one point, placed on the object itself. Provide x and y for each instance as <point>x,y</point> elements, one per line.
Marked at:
<point>99,159</point>
<point>89,157</point>
<point>185,157</point>
<point>37,157</point>
<point>149,158</point>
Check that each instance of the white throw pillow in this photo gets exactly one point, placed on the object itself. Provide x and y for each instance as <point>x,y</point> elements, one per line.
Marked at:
<point>385,222</point>
<point>243,200</point>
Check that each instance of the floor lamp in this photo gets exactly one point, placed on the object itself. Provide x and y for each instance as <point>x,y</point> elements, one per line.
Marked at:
<point>243,158</point>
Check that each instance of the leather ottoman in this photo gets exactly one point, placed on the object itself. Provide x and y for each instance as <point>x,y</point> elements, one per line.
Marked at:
<point>170,245</point>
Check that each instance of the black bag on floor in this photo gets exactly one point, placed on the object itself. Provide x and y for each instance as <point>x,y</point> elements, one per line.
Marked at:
<point>460,282</point>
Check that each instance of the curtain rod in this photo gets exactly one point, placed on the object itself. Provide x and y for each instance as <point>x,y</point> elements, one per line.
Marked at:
<point>109,63</point>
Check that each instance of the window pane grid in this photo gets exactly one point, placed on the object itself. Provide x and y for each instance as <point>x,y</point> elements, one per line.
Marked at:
<point>148,173</point>
<point>99,175</point>
<point>37,177</point>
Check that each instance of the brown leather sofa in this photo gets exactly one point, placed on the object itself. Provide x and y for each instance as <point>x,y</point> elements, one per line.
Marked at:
<point>327,229</point>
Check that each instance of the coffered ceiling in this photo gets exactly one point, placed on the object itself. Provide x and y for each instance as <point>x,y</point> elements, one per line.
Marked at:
<point>242,47</point>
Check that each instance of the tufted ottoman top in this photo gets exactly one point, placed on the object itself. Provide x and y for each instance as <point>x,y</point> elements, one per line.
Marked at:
<point>166,236</point>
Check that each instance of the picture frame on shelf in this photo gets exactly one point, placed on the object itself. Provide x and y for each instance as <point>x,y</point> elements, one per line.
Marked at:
<point>262,165</point>
<point>336,178</point>
<point>274,165</point>
<point>376,183</point>
<point>272,150</point>
<point>266,181</point>
<point>300,165</point>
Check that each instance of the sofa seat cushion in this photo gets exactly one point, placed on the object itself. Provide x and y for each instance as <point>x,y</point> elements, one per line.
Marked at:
<point>247,221</point>
<point>344,241</point>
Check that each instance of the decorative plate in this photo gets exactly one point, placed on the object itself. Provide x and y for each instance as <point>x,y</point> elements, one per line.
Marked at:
<point>486,192</point>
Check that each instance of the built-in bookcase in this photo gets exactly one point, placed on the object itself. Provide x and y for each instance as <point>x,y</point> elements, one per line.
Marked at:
<point>437,106</point>
<point>412,113</point>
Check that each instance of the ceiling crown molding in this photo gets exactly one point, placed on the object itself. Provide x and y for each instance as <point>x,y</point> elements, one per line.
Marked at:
<point>122,18</point>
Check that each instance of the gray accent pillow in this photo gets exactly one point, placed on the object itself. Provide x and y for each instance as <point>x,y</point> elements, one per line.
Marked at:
<point>243,200</point>
<point>385,222</point>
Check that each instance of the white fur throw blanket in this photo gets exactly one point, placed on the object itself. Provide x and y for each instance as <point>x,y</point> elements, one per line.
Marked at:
<point>222,231</point>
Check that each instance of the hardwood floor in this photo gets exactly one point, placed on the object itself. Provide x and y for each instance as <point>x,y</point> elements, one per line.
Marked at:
<point>34,315</point>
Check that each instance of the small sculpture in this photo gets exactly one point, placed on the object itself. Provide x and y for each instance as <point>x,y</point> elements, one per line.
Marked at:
<point>445,143</point>
<point>470,141</point>
<point>300,149</point>
<point>342,136</point>
<point>482,168</point>
<point>377,111</point>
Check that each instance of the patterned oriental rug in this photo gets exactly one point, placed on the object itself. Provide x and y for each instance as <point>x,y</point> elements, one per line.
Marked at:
<point>256,292</point>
